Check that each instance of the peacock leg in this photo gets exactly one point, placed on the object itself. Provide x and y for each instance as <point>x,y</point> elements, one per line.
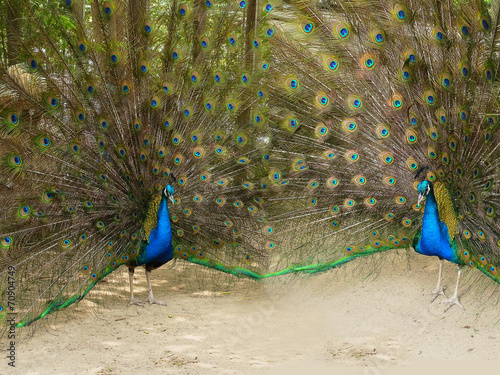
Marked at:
<point>151,299</point>
<point>133,301</point>
<point>454,300</point>
<point>439,289</point>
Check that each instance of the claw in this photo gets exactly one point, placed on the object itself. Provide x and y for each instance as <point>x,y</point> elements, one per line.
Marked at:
<point>436,293</point>
<point>452,301</point>
<point>134,301</point>
<point>155,301</point>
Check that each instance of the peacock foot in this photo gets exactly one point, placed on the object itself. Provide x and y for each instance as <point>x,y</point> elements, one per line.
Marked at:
<point>452,301</point>
<point>134,301</point>
<point>436,293</point>
<point>155,301</point>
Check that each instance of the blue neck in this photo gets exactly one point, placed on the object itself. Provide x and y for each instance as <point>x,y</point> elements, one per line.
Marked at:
<point>431,215</point>
<point>164,217</point>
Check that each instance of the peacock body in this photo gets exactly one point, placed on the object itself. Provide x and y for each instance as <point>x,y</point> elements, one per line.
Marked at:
<point>128,136</point>
<point>385,133</point>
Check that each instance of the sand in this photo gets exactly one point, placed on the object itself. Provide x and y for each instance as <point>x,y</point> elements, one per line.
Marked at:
<point>369,317</point>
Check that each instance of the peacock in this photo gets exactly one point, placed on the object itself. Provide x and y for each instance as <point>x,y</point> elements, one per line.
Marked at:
<point>131,133</point>
<point>384,120</point>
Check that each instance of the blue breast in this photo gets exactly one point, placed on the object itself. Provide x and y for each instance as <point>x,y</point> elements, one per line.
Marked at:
<point>158,249</point>
<point>434,239</point>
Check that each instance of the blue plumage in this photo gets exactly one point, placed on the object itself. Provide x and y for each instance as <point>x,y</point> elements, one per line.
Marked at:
<point>434,239</point>
<point>157,249</point>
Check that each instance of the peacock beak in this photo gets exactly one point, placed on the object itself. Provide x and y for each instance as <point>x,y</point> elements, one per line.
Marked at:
<point>420,199</point>
<point>171,198</point>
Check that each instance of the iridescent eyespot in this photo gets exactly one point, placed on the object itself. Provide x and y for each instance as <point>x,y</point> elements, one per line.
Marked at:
<point>53,101</point>
<point>378,36</point>
<point>183,10</point>
<point>411,136</point>
<point>204,42</point>
<point>359,180</point>
<point>331,63</point>
<point>411,163</point>
<point>368,61</point>
<point>382,131</point>
<point>321,100</point>
<point>370,201</point>
<point>155,102</point>
<point>307,27</point>
<point>291,83</point>
<point>400,200</point>
<point>349,203</point>
<point>386,157</point>
<point>231,106</point>
<point>433,133</point>
<point>465,69</point>
<point>82,46</point>
<point>489,73</point>
<point>486,22</point>
<point>439,34</point>
<point>406,73</point>
<point>488,185</point>
<point>143,67</point>
<point>33,64</point>
<point>291,124</point>
<point>332,182</point>
<point>108,8</point>
<point>430,97</point>
<point>342,30</point>
<point>396,101</point>
<point>351,156</point>
<point>321,130</point>
<point>354,102</point>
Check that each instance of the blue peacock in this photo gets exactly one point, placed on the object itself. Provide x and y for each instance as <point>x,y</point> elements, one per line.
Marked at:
<point>129,135</point>
<point>385,119</point>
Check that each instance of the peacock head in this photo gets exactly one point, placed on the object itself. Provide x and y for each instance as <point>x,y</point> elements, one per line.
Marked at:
<point>169,192</point>
<point>423,189</point>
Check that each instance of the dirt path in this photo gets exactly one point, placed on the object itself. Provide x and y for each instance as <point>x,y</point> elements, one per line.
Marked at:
<point>308,325</point>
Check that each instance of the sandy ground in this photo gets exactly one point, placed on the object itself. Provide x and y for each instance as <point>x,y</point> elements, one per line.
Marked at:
<point>352,320</point>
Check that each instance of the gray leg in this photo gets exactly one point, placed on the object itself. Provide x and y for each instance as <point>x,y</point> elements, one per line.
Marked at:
<point>454,300</point>
<point>151,299</point>
<point>439,289</point>
<point>133,301</point>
